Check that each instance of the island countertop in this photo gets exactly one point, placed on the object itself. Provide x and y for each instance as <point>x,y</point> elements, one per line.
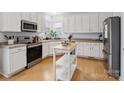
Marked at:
<point>68,47</point>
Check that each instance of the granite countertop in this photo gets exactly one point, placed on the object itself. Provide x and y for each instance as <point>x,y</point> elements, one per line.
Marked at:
<point>6,45</point>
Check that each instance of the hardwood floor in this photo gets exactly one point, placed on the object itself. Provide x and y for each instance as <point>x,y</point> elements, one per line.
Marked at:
<point>87,70</point>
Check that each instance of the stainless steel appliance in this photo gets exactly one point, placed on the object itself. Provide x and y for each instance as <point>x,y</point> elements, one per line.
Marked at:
<point>111,35</point>
<point>28,26</point>
<point>34,53</point>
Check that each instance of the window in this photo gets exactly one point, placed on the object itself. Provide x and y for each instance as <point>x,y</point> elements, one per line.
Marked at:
<point>57,23</point>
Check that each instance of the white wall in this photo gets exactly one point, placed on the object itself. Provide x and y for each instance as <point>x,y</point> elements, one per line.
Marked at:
<point>122,46</point>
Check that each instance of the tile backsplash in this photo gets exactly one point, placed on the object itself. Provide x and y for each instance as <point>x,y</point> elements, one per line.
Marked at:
<point>2,38</point>
<point>30,34</point>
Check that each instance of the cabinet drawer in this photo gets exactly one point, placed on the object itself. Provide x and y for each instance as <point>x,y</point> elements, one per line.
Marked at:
<point>18,49</point>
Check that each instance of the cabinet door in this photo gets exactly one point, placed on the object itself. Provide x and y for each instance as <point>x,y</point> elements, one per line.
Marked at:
<point>78,23</point>
<point>33,16</point>
<point>25,16</point>
<point>40,22</point>
<point>86,49</point>
<point>71,23</point>
<point>101,55</point>
<point>117,14</point>
<point>45,50</point>
<point>93,23</point>
<point>85,23</point>
<point>17,61</point>
<point>11,22</point>
<point>65,24</point>
<point>52,45</point>
<point>94,52</point>
<point>79,49</point>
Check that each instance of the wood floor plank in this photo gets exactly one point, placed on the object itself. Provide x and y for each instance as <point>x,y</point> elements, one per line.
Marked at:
<point>87,70</point>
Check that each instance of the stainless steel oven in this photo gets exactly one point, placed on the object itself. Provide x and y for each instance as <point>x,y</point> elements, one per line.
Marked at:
<point>28,26</point>
<point>34,54</point>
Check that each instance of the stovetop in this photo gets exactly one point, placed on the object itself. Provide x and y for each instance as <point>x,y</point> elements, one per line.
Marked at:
<point>29,44</point>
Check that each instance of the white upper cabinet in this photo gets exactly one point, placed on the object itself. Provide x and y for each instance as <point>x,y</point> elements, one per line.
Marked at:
<point>117,14</point>
<point>65,24</point>
<point>102,17</point>
<point>78,23</point>
<point>71,23</point>
<point>85,23</point>
<point>40,22</point>
<point>10,22</point>
<point>25,16</point>
<point>93,22</point>
<point>33,16</point>
<point>30,16</point>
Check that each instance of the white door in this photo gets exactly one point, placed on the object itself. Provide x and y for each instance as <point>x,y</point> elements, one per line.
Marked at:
<point>17,61</point>
<point>93,23</point>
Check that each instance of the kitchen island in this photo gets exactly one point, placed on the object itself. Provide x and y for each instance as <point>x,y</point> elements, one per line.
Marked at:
<point>65,66</point>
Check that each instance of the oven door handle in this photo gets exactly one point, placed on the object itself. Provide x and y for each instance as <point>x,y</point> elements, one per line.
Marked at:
<point>35,45</point>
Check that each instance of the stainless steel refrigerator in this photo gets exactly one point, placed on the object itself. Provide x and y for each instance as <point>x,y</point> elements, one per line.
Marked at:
<point>112,39</point>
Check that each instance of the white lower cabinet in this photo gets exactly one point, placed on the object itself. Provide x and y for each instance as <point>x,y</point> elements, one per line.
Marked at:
<point>18,60</point>
<point>94,50</point>
<point>87,49</point>
<point>79,49</point>
<point>52,45</point>
<point>45,49</point>
<point>12,60</point>
<point>101,55</point>
<point>83,49</point>
<point>10,21</point>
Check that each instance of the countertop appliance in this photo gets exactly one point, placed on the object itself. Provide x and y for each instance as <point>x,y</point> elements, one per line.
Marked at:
<point>112,35</point>
<point>28,26</point>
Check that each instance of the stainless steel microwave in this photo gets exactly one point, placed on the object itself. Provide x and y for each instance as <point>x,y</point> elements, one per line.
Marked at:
<point>28,26</point>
